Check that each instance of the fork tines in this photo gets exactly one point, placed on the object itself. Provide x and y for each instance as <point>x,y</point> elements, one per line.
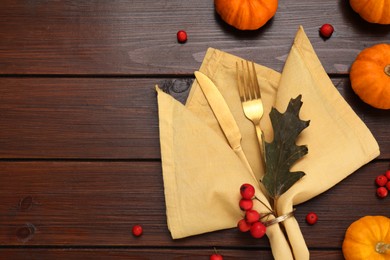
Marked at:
<point>249,79</point>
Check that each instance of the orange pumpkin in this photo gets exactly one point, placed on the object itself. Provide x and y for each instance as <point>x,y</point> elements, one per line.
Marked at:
<point>373,11</point>
<point>246,14</point>
<point>370,75</point>
<point>368,238</point>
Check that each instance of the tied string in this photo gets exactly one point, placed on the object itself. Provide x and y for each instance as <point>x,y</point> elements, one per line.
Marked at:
<point>279,219</point>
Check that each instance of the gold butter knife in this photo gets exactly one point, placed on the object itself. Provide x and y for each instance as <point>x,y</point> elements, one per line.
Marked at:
<point>223,115</point>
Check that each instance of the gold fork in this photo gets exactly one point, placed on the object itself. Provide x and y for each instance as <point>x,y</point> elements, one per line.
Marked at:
<point>249,90</point>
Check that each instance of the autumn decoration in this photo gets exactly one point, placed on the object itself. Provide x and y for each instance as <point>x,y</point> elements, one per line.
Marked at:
<point>370,75</point>
<point>368,238</point>
<point>246,14</point>
<point>373,11</point>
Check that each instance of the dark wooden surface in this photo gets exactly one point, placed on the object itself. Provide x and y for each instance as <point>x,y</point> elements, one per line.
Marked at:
<point>79,148</point>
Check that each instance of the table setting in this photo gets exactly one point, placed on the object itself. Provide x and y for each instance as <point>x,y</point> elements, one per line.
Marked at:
<point>213,175</point>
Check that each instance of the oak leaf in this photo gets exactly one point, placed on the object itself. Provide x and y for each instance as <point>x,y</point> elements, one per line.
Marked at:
<point>283,152</point>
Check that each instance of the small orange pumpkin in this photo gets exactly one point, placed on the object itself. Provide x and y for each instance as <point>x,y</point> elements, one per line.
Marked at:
<point>246,14</point>
<point>370,75</point>
<point>373,11</point>
<point>368,238</point>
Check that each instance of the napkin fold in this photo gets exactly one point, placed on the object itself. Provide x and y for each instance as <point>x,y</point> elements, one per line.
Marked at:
<point>202,174</point>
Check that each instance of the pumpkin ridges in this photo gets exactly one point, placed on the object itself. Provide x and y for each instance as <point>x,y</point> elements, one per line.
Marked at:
<point>354,241</point>
<point>246,14</point>
<point>377,230</point>
<point>362,237</point>
<point>368,78</point>
<point>360,87</point>
<point>271,6</point>
<point>258,11</point>
<point>386,13</point>
<point>358,5</point>
<point>373,11</point>
<point>387,236</point>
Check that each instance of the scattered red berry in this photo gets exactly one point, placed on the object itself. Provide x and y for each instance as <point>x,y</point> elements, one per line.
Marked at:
<point>247,191</point>
<point>243,226</point>
<point>251,216</point>
<point>137,230</point>
<point>258,230</point>
<point>387,174</point>
<point>246,204</point>
<point>388,185</point>
<point>216,257</point>
<point>381,180</point>
<point>181,36</point>
<point>326,30</point>
<point>382,192</point>
<point>311,218</point>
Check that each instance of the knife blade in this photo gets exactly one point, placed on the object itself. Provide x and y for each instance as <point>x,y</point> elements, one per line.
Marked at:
<point>223,115</point>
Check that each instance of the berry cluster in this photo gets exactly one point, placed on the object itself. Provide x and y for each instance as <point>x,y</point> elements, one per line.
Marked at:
<point>252,220</point>
<point>383,183</point>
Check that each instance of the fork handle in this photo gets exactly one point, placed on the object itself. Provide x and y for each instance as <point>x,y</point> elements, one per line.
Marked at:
<point>260,138</point>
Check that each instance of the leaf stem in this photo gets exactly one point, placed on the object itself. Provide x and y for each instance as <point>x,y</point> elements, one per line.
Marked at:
<point>270,210</point>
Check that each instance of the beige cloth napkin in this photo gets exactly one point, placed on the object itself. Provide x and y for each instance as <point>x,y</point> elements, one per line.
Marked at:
<point>202,174</point>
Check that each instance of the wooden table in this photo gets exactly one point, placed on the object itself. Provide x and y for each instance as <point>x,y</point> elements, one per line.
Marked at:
<point>79,144</point>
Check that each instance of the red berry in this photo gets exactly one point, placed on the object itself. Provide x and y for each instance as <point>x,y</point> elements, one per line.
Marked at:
<point>137,230</point>
<point>387,174</point>
<point>311,218</point>
<point>216,257</point>
<point>252,216</point>
<point>243,226</point>
<point>388,185</point>
<point>381,192</point>
<point>326,30</point>
<point>381,180</point>
<point>181,36</point>
<point>246,204</point>
<point>247,191</point>
<point>258,230</point>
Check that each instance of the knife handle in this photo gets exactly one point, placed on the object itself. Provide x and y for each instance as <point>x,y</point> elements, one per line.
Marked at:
<point>240,153</point>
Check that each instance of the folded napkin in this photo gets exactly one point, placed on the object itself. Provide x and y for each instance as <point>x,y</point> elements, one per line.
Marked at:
<point>202,174</point>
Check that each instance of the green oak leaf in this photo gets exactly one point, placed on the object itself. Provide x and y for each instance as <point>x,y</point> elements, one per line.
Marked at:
<point>283,152</point>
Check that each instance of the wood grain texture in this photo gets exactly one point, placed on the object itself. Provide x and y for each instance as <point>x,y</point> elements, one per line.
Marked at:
<point>108,118</point>
<point>127,37</point>
<point>96,203</point>
<point>143,254</point>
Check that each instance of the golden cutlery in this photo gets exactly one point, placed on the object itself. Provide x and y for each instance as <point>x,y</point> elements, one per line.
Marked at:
<point>250,95</point>
<point>223,115</point>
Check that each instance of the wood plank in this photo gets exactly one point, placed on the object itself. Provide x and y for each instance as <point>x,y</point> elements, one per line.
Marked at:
<point>108,118</point>
<point>127,37</point>
<point>57,203</point>
<point>78,118</point>
<point>194,254</point>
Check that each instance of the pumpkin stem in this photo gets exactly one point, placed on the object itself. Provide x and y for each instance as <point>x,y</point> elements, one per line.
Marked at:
<point>387,70</point>
<point>382,247</point>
